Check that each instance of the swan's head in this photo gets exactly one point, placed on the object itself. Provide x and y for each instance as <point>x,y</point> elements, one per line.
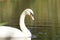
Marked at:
<point>30,13</point>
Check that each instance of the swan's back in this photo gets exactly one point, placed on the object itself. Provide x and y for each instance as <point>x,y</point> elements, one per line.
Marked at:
<point>10,33</point>
<point>6,31</point>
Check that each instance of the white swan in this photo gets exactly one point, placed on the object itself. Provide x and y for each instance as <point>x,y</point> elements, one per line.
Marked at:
<point>16,34</point>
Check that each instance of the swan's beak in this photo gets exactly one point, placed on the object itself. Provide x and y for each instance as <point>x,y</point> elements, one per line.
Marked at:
<point>32,17</point>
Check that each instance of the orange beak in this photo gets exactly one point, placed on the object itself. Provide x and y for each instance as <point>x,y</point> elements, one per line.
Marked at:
<point>31,16</point>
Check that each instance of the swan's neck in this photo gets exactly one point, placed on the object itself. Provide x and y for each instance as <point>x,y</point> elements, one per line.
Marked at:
<point>22,24</point>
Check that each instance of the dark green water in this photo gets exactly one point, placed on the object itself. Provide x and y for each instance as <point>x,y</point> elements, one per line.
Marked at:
<point>45,33</point>
<point>41,33</point>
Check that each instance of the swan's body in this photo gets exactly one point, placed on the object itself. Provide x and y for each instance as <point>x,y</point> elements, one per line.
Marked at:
<point>14,33</point>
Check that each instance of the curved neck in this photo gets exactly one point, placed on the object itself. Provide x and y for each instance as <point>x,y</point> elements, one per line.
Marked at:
<point>22,24</point>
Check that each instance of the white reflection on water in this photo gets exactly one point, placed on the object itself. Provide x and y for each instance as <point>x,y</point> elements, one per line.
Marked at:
<point>15,38</point>
<point>34,36</point>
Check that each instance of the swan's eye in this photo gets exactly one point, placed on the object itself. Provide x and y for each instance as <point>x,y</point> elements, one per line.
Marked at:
<point>31,14</point>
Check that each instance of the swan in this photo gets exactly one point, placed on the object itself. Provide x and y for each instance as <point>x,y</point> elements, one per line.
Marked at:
<point>16,34</point>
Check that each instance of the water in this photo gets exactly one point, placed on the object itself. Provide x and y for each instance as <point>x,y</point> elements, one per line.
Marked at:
<point>41,33</point>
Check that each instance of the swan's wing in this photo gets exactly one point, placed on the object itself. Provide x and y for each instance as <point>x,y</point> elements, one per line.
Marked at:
<point>10,32</point>
<point>18,35</point>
